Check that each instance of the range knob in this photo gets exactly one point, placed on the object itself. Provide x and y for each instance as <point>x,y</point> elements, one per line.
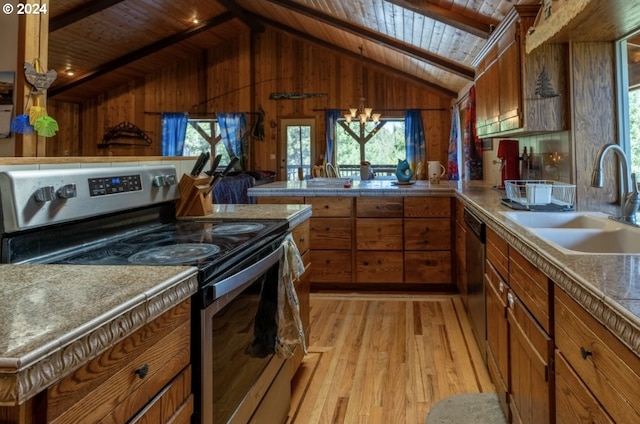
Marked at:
<point>67,191</point>
<point>45,194</point>
<point>164,180</point>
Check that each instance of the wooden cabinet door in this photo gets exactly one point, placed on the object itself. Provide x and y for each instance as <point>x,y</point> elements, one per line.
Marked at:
<point>497,334</point>
<point>427,234</point>
<point>575,404</point>
<point>510,93</point>
<point>330,206</point>
<point>379,234</point>
<point>331,266</point>
<point>531,399</point>
<point>431,267</point>
<point>379,267</point>
<point>330,233</point>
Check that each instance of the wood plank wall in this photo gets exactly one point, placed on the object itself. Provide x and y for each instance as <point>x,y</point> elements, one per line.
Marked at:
<point>240,76</point>
<point>593,109</point>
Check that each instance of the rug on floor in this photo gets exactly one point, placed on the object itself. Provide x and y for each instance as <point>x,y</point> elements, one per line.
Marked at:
<point>468,408</point>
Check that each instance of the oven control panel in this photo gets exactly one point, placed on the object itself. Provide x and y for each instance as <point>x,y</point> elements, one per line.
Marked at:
<point>37,198</point>
<point>114,185</point>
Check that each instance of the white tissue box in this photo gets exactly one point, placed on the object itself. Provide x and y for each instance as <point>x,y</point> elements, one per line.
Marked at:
<point>538,194</point>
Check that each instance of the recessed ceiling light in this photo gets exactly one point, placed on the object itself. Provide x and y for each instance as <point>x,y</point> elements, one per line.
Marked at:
<point>70,72</point>
<point>195,21</point>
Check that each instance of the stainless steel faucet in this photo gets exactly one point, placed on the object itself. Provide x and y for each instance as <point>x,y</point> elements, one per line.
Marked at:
<point>628,193</point>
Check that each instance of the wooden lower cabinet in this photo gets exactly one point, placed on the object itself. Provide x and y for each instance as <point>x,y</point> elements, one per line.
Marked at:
<point>497,334</point>
<point>301,236</point>
<point>331,266</point>
<point>373,266</point>
<point>608,370</point>
<point>575,404</point>
<point>431,267</point>
<point>531,396</point>
<point>145,378</point>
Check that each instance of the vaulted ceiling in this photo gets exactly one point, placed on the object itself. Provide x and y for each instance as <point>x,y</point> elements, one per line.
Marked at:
<point>107,43</point>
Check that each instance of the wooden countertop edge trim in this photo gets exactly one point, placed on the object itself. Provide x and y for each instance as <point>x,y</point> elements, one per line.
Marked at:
<point>613,316</point>
<point>28,380</point>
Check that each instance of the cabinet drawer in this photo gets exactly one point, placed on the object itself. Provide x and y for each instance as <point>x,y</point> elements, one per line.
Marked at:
<point>427,267</point>
<point>379,207</point>
<point>302,236</point>
<point>379,234</point>
<point>427,207</point>
<point>427,234</point>
<point>330,233</point>
<point>574,402</point>
<point>533,288</point>
<point>379,267</point>
<point>330,206</point>
<point>113,387</point>
<point>330,266</point>
<point>608,368</point>
<point>497,250</point>
<point>174,404</point>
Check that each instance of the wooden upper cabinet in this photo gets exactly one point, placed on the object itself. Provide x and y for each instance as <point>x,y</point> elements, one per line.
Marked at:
<point>519,93</point>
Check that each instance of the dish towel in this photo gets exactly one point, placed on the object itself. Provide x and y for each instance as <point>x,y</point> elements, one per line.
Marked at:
<point>290,329</point>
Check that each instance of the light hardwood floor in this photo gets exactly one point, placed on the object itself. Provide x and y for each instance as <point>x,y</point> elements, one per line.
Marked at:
<point>382,359</point>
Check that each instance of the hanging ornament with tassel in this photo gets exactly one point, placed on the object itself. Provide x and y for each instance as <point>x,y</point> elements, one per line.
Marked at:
<point>37,117</point>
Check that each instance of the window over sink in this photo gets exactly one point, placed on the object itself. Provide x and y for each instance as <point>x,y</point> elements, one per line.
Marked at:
<point>628,71</point>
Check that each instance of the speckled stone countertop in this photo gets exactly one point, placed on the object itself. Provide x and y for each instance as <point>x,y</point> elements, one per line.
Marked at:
<point>295,214</point>
<point>357,188</point>
<point>608,286</point>
<point>55,318</point>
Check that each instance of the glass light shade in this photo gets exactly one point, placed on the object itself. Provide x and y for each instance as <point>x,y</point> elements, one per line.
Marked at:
<point>367,112</point>
<point>347,117</point>
<point>376,117</point>
<point>353,112</point>
<point>363,118</point>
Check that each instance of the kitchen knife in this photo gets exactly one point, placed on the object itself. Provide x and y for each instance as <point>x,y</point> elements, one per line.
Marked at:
<point>205,159</point>
<point>219,176</point>
<point>197,165</point>
<point>214,165</point>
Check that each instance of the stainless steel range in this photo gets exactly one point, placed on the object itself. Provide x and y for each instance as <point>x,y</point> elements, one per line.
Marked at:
<point>126,216</point>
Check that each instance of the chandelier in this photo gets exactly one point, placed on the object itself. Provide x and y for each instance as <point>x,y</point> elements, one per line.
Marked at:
<point>362,112</point>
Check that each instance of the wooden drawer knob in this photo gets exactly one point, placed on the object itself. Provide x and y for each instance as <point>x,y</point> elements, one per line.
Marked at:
<point>584,352</point>
<point>142,371</point>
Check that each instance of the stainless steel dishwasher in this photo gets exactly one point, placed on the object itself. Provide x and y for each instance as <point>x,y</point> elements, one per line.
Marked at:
<point>475,243</point>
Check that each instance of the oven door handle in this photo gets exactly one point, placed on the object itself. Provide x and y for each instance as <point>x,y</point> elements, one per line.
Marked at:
<point>247,276</point>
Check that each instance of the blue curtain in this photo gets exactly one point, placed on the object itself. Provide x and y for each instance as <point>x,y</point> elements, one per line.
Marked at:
<point>414,138</point>
<point>174,129</point>
<point>332,116</point>
<point>234,134</point>
<point>453,162</point>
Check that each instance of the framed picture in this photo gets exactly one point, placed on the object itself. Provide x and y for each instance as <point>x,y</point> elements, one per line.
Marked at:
<point>487,143</point>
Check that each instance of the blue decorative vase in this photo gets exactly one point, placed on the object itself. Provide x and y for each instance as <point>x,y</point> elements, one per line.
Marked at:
<point>403,171</point>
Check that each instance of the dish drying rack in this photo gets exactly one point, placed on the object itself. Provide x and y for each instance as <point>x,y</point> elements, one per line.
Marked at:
<point>543,195</point>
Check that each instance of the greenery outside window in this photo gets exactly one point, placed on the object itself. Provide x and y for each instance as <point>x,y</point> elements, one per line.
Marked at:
<point>382,150</point>
<point>201,135</point>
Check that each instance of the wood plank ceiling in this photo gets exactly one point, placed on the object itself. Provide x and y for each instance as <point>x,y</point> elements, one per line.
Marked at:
<point>107,43</point>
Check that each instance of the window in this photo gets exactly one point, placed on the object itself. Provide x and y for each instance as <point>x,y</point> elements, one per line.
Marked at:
<point>201,135</point>
<point>382,147</point>
<point>298,139</point>
<point>628,53</point>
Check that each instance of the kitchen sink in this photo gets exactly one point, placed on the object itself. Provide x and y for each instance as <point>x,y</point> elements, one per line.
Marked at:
<point>581,232</point>
<point>593,220</point>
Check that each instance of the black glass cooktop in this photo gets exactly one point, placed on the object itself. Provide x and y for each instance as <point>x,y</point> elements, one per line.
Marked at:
<point>212,246</point>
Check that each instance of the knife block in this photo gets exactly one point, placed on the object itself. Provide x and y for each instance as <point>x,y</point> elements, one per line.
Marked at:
<point>195,196</point>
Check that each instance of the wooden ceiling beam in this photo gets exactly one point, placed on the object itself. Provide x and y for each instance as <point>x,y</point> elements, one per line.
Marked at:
<point>447,17</point>
<point>74,15</point>
<point>142,52</point>
<point>437,61</point>
<point>233,7</point>
<point>356,56</point>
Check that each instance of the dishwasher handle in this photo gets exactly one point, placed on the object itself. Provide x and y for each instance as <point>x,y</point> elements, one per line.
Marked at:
<point>475,224</point>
